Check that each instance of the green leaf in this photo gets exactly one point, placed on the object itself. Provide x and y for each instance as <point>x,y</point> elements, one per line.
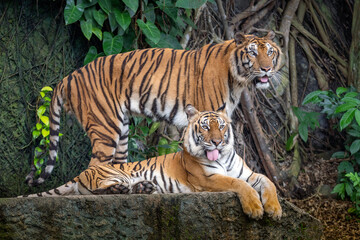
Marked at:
<point>35,134</point>
<point>341,90</point>
<point>348,189</point>
<point>339,154</point>
<point>350,95</point>
<point>87,3</point>
<point>344,107</point>
<point>91,55</point>
<point>150,30</point>
<point>46,89</point>
<point>41,110</point>
<point>161,146</point>
<point>99,16</point>
<point>174,147</point>
<point>105,6</point>
<point>122,18</point>
<point>72,13</point>
<point>86,28</point>
<point>97,32</point>
<point>346,167</point>
<point>355,147</point>
<point>190,4</point>
<point>303,131</point>
<point>45,133</point>
<point>38,126</point>
<point>132,4</point>
<point>357,116</point>
<point>312,97</point>
<point>340,190</point>
<point>47,99</point>
<point>347,118</point>
<point>145,130</point>
<point>351,100</point>
<point>166,41</point>
<point>45,120</point>
<point>353,132</point>
<point>290,142</point>
<point>112,22</point>
<point>112,45</point>
<point>169,8</point>
<point>149,12</point>
<point>154,127</point>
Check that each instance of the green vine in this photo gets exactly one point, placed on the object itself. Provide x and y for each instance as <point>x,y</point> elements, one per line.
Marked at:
<point>41,131</point>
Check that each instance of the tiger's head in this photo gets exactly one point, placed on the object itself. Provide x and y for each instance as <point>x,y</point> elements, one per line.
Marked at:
<point>255,58</point>
<point>209,134</point>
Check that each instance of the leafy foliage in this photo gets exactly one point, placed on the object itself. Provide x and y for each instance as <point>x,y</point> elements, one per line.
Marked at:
<point>141,130</point>
<point>130,24</point>
<point>41,131</point>
<point>306,120</point>
<point>344,105</point>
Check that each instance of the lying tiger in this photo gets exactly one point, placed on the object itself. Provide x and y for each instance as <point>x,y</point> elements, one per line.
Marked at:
<point>157,83</point>
<point>207,163</point>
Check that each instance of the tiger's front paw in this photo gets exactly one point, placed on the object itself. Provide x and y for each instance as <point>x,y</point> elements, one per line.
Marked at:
<point>273,208</point>
<point>251,204</point>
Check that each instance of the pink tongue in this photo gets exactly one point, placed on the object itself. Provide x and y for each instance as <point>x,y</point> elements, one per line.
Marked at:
<point>212,155</point>
<point>264,79</point>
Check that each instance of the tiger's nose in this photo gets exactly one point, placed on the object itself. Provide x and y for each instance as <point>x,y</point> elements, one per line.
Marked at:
<point>265,69</point>
<point>216,142</point>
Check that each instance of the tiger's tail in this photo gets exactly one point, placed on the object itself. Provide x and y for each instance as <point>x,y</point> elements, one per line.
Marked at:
<point>54,123</point>
<point>70,188</point>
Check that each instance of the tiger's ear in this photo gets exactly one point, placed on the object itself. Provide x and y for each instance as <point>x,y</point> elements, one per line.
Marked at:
<point>190,111</point>
<point>239,38</point>
<point>222,108</point>
<point>270,35</point>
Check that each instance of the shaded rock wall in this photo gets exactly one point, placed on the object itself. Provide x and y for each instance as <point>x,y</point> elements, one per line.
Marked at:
<point>168,216</point>
<point>36,50</point>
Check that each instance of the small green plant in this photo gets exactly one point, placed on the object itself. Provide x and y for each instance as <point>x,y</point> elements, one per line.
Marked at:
<point>140,134</point>
<point>349,186</point>
<point>306,120</point>
<point>344,106</point>
<point>41,131</point>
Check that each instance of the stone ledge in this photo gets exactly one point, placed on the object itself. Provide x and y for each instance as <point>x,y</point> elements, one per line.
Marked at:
<point>167,216</point>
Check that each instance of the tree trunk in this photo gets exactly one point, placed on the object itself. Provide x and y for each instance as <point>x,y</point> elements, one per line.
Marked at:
<point>354,64</point>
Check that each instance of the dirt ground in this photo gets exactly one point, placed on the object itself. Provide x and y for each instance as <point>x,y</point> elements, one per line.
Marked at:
<point>333,213</point>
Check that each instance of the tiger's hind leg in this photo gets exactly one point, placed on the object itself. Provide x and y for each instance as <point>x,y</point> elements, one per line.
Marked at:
<point>121,153</point>
<point>109,142</point>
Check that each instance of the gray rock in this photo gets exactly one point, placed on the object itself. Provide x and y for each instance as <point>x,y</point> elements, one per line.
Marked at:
<point>168,216</point>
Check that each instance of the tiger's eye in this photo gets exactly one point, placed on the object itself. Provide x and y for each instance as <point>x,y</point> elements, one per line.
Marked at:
<point>271,51</point>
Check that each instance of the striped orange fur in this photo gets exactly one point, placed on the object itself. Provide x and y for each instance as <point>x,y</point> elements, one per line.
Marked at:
<point>208,163</point>
<point>157,83</point>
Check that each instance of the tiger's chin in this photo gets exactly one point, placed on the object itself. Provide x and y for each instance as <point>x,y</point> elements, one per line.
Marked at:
<point>260,85</point>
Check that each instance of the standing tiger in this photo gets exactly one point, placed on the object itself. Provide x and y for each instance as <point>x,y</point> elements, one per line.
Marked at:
<point>207,163</point>
<point>157,83</point>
